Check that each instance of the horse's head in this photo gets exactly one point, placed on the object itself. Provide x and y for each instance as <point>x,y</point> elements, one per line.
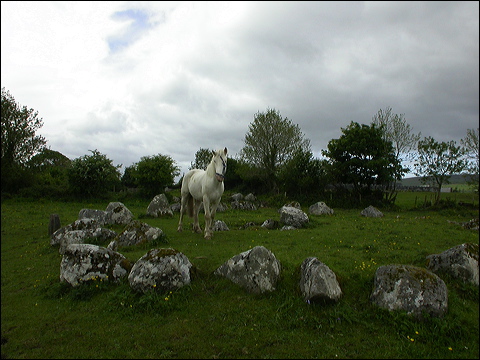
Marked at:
<point>220,160</point>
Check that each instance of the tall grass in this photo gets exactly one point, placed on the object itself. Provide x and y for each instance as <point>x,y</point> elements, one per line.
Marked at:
<point>214,318</point>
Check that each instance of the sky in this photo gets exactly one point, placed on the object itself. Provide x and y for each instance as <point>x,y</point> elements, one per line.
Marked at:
<point>135,79</point>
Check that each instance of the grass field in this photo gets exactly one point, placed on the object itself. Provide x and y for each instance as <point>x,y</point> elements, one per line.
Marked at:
<point>214,318</point>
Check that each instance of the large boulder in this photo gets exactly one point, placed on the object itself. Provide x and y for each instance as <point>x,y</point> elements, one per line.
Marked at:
<point>257,270</point>
<point>98,215</point>
<point>243,205</point>
<point>461,262</point>
<point>411,289</point>
<point>318,282</point>
<point>137,232</point>
<point>117,213</point>
<point>87,262</point>
<point>79,232</point>
<point>320,208</point>
<point>159,207</point>
<point>220,225</point>
<point>236,197</point>
<point>292,216</point>
<point>161,270</point>
<point>271,224</point>
<point>371,211</point>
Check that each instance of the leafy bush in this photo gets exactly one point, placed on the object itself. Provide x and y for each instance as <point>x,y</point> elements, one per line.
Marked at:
<point>93,175</point>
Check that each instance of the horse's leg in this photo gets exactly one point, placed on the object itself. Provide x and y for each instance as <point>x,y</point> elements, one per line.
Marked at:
<point>183,209</point>
<point>196,209</point>
<point>208,218</point>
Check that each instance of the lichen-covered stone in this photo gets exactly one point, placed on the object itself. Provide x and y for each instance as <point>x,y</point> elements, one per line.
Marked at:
<point>84,262</point>
<point>159,207</point>
<point>318,281</point>
<point>292,216</point>
<point>99,215</point>
<point>220,225</point>
<point>271,224</point>
<point>162,270</point>
<point>411,289</point>
<point>138,232</point>
<point>117,213</point>
<point>320,208</point>
<point>257,270</point>
<point>461,262</point>
<point>79,232</point>
<point>371,211</point>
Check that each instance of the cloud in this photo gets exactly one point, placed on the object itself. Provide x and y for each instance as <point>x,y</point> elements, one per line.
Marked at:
<point>135,79</point>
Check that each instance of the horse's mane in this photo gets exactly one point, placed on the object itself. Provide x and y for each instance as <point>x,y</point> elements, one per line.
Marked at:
<point>211,166</point>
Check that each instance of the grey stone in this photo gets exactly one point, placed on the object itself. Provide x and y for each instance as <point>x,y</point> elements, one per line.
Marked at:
<point>411,289</point>
<point>87,262</point>
<point>271,224</point>
<point>219,225</point>
<point>79,232</point>
<point>320,208</point>
<point>159,207</point>
<point>292,216</point>
<point>237,197</point>
<point>160,270</point>
<point>99,215</point>
<point>117,213</point>
<point>256,270</point>
<point>461,262</point>
<point>318,282</point>
<point>137,232</point>
<point>371,212</point>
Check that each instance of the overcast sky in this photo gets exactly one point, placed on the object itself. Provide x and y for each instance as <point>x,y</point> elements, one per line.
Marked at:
<point>134,79</point>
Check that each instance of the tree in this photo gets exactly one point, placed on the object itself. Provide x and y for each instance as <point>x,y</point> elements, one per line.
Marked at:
<point>303,175</point>
<point>129,177</point>
<point>47,158</point>
<point>50,169</point>
<point>396,130</point>
<point>232,176</point>
<point>270,142</point>
<point>19,142</point>
<point>154,173</point>
<point>437,161</point>
<point>93,175</point>
<point>472,150</point>
<point>362,158</point>
<point>202,159</point>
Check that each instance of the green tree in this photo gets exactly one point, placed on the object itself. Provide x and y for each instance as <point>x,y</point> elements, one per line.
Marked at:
<point>472,150</point>
<point>154,173</point>
<point>303,175</point>
<point>437,161</point>
<point>362,158</point>
<point>50,169</point>
<point>19,142</point>
<point>399,133</point>
<point>270,142</point>
<point>129,177</point>
<point>93,175</point>
<point>202,159</point>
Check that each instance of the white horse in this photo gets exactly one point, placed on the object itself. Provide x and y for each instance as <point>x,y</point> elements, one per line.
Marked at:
<point>207,186</point>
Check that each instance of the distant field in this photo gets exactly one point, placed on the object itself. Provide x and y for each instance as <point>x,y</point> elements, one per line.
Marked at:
<point>455,181</point>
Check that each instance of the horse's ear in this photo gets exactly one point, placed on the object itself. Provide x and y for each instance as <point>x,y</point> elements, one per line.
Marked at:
<point>225,151</point>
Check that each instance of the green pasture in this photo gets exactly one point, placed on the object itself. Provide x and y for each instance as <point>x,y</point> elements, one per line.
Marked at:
<point>214,318</point>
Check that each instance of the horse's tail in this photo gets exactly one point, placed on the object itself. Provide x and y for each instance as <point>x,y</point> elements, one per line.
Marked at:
<point>190,205</point>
